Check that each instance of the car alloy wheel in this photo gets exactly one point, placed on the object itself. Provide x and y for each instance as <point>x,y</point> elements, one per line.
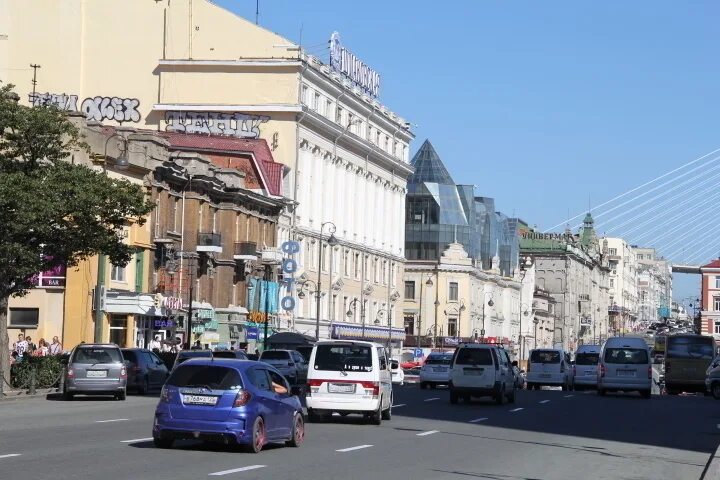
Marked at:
<point>258,435</point>
<point>298,431</point>
<point>716,390</point>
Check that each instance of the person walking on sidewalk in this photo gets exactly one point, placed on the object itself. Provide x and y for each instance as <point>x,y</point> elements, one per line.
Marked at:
<point>42,350</point>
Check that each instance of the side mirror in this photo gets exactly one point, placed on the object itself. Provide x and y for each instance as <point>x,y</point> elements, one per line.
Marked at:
<point>515,363</point>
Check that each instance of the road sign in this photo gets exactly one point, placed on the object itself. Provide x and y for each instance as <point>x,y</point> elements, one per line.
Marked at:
<point>418,353</point>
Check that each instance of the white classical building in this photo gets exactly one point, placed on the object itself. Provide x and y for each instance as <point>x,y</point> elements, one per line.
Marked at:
<point>623,281</point>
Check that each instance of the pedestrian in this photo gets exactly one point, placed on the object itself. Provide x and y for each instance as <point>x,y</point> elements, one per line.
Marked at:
<point>197,345</point>
<point>55,346</point>
<point>154,344</point>
<point>30,346</point>
<point>21,346</point>
<point>43,350</point>
<point>14,358</point>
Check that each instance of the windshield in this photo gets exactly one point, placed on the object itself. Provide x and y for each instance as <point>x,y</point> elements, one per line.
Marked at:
<point>129,355</point>
<point>275,355</point>
<point>229,354</point>
<point>95,355</point>
<point>628,356</point>
<point>438,360</point>
<point>587,358</point>
<point>474,356</point>
<point>207,376</point>
<point>348,358</point>
<point>188,354</point>
<point>545,356</point>
<point>690,347</point>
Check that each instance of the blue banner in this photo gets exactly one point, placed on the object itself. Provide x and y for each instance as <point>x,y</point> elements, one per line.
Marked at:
<point>262,293</point>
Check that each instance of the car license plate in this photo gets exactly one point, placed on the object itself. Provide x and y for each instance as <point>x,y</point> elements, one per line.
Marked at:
<point>472,371</point>
<point>341,388</point>
<point>626,373</point>
<point>439,369</point>
<point>545,375</point>
<point>199,399</point>
<point>96,373</point>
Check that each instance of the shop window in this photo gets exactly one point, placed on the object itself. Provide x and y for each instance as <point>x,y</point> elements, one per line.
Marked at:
<point>452,327</point>
<point>409,325</point>
<point>24,317</point>
<point>118,331</point>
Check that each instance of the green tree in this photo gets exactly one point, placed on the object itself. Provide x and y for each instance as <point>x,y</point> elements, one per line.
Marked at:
<point>53,212</point>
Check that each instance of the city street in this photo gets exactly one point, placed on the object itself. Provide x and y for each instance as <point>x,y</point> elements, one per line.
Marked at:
<point>547,434</point>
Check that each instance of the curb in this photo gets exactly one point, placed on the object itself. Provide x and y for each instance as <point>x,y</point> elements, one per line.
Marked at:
<point>23,396</point>
<point>712,468</point>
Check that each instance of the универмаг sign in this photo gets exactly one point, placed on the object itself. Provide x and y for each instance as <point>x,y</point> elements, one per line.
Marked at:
<point>343,61</point>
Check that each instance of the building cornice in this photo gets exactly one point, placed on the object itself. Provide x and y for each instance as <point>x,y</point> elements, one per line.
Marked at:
<point>222,107</point>
<point>241,63</point>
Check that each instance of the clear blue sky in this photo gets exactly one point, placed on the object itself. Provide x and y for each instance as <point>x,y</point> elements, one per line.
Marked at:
<point>541,104</point>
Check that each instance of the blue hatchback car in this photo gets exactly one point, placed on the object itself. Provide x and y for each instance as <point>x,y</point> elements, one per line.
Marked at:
<point>230,401</point>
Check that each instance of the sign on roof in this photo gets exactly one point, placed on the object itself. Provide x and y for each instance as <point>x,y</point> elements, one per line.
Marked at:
<point>347,64</point>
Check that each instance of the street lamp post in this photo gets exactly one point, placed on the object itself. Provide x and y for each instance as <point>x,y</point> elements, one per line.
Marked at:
<point>520,336</point>
<point>490,304</point>
<point>429,283</point>
<point>332,241</point>
<point>535,322</point>
<point>351,310</point>
<point>310,287</point>
<point>121,163</point>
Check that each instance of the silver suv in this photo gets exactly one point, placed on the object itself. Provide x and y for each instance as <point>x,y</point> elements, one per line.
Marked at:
<point>96,369</point>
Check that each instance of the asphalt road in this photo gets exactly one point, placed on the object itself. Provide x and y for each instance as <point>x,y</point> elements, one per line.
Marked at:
<point>547,434</point>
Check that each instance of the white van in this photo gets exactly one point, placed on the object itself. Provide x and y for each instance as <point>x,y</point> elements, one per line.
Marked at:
<point>482,370</point>
<point>549,367</point>
<point>585,369</point>
<point>349,377</point>
<point>625,365</point>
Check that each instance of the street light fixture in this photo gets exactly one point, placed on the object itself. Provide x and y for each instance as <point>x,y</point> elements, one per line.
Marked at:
<point>429,284</point>
<point>332,242</point>
<point>490,303</point>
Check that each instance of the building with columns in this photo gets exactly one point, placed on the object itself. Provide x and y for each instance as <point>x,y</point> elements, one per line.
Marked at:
<point>192,67</point>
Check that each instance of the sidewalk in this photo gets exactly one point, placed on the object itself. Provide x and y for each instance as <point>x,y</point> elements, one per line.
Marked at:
<point>712,469</point>
<point>14,395</point>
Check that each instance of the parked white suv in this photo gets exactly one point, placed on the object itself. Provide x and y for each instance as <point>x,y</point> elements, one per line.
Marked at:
<point>481,370</point>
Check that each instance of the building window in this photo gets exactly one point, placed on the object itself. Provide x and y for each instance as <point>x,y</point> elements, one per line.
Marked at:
<point>385,272</point>
<point>339,115</point>
<point>717,282</point>
<point>716,304</point>
<point>717,327</point>
<point>304,94</point>
<point>324,256</point>
<point>409,290</point>
<point>612,251</point>
<point>346,263</point>
<point>376,271</point>
<point>612,283</point>
<point>328,108</point>
<point>453,294</point>
<point>452,327</point>
<point>118,331</point>
<point>316,101</point>
<point>357,265</point>
<point>24,317</point>
<point>409,325</point>
<point>118,274</point>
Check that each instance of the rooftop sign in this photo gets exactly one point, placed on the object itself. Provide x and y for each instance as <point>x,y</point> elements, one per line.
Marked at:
<point>347,64</point>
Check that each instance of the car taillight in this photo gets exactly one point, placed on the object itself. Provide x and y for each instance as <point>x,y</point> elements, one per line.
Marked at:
<point>242,398</point>
<point>602,370</point>
<point>313,386</point>
<point>70,373</point>
<point>650,372</point>
<point>373,387</point>
<point>164,395</point>
<point>123,372</point>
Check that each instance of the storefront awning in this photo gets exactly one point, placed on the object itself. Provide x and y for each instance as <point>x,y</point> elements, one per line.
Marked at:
<point>352,331</point>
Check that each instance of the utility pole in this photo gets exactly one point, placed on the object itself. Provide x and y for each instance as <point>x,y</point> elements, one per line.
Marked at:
<point>35,67</point>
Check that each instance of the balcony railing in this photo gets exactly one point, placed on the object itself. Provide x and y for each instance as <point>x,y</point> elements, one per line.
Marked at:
<point>245,251</point>
<point>209,242</point>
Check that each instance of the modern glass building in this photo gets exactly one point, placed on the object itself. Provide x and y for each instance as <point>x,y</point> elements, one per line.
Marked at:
<point>439,212</point>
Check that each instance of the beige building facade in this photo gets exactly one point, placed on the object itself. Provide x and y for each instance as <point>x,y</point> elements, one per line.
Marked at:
<point>190,66</point>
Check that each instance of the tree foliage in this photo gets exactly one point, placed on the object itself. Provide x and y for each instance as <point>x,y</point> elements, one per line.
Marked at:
<point>53,212</point>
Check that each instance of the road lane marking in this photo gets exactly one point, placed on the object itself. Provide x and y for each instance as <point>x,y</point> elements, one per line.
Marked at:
<point>137,440</point>
<point>517,409</point>
<point>432,399</point>
<point>430,432</point>
<point>399,405</point>
<point>113,420</point>
<point>8,455</point>
<point>478,420</point>
<point>235,470</point>
<point>350,449</point>
<point>543,401</point>
<point>568,396</point>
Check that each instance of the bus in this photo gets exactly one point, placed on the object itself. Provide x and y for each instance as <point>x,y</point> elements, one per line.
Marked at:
<point>687,358</point>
